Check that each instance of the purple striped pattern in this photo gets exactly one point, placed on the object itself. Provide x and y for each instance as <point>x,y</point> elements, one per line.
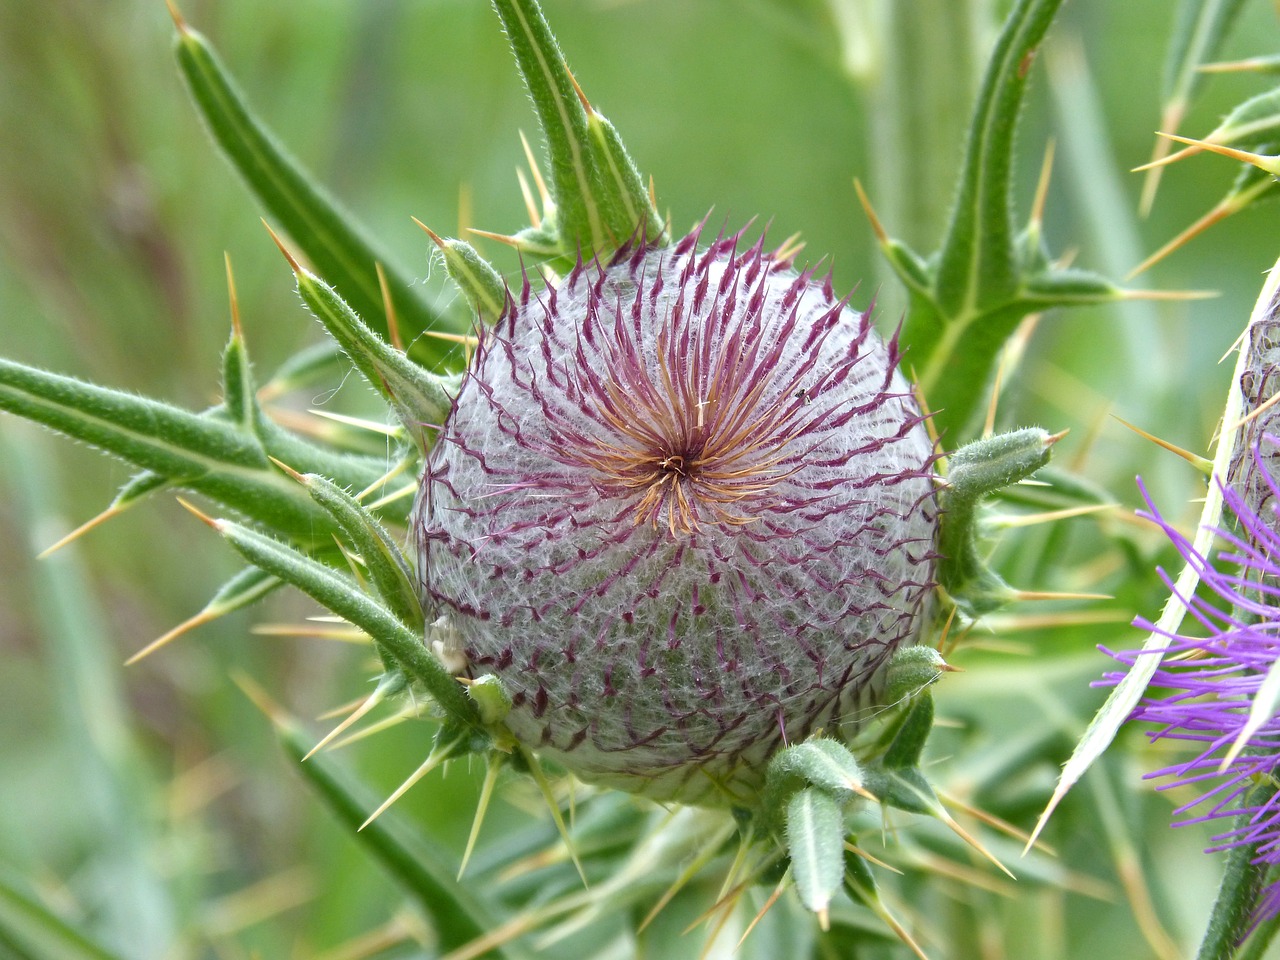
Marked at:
<point>684,508</point>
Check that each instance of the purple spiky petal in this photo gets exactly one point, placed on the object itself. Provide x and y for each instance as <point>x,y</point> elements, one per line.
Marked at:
<point>1211,680</point>
<point>683,508</point>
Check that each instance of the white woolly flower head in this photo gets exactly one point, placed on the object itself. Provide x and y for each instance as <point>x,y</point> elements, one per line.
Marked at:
<point>683,508</point>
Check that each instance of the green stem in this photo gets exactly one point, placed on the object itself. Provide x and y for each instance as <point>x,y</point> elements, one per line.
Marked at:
<point>1243,881</point>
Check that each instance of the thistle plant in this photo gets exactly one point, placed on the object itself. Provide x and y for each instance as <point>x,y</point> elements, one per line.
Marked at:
<point>660,540</point>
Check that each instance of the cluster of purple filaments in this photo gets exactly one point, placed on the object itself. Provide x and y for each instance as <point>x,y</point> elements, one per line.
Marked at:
<point>1212,680</point>
<point>684,508</point>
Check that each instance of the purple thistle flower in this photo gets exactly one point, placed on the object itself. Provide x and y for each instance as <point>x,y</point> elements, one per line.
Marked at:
<point>684,508</point>
<point>1213,680</point>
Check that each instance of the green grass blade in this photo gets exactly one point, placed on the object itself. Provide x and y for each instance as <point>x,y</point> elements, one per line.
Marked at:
<point>32,932</point>
<point>1199,31</point>
<point>114,789</point>
<point>343,597</point>
<point>328,235</point>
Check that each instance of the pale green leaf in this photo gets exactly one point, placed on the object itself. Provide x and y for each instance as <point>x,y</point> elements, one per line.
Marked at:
<point>815,842</point>
<point>340,250</point>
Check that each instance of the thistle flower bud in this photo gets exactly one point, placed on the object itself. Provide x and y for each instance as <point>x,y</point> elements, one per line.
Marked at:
<point>683,508</point>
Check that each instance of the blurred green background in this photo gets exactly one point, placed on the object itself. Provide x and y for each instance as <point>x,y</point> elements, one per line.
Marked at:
<point>148,803</point>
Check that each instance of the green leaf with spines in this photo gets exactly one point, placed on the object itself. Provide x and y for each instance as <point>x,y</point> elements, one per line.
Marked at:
<point>458,914</point>
<point>33,932</point>
<point>859,881</point>
<point>239,390</point>
<point>977,270</point>
<point>1265,64</point>
<point>910,670</point>
<point>326,233</point>
<point>915,274</point>
<point>815,844</point>
<point>1251,124</point>
<point>895,778</point>
<point>382,557</point>
<point>968,299</point>
<point>476,277</point>
<point>348,469</point>
<point>340,595</point>
<point>1252,184</point>
<point>138,487</point>
<point>200,453</point>
<point>860,884</point>
<point>600,202</point>
<point>491,698</point>
<point>1067,288</point>
<point>420,399</point>
<point>540,242</point>
<point>204,453</point>
<point>626,187</point>
<point>910,734</point>
<point>1253,127</point>
<point>245,588</point>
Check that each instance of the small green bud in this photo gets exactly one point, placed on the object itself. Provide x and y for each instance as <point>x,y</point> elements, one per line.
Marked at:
<point>985,466</point>
<point>818,762</point>
<point>910,671</point>
<point>491,698</point>
<point>975,471</point>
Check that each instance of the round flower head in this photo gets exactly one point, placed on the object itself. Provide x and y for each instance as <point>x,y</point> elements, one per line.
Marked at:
<point>683,509</point>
